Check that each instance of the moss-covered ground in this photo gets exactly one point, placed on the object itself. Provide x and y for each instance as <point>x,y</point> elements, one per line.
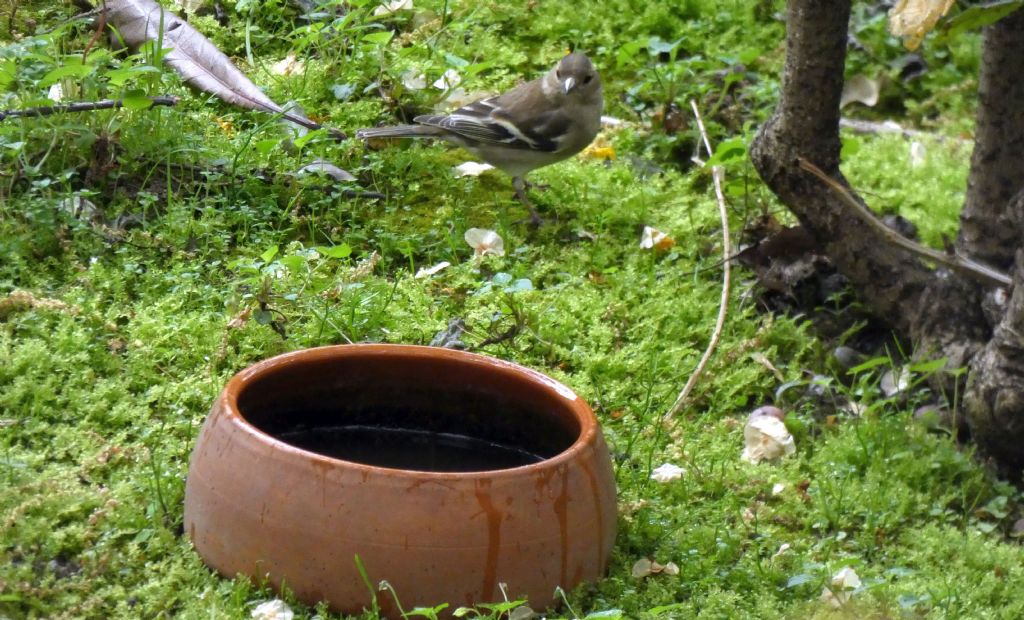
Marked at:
<point>207,252</point>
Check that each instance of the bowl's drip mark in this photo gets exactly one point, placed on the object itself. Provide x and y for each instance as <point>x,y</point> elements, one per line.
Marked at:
<point>596,495</point>
<point>494,517</point>
<point>561,506</point>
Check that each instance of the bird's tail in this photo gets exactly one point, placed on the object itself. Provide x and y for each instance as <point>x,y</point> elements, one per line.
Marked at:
<point>398,131</point>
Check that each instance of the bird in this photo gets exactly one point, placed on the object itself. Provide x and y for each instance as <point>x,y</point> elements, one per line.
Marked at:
<point>535,124</point>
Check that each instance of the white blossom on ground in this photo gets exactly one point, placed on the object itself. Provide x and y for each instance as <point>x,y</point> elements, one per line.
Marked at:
<point>667,473</point>
<point>484,241</point>
<point>839,591</point>
<point>652,238</point>
<point>394,6</point>
<point>273,610</point>
<point>426,272</point>
<point>766,436</point>
<point>471,169</point>
<point>449,79</point>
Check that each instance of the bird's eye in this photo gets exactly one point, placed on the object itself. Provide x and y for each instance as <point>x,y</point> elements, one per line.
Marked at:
<point>587,79</point>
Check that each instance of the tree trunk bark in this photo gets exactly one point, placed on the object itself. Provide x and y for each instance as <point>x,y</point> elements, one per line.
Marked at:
<point>991,230</point>
<point>994,402</point>
<point>988,231</point>
<point>806,124</point>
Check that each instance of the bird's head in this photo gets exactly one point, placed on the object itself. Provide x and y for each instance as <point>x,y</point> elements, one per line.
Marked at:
<point>575,76</point>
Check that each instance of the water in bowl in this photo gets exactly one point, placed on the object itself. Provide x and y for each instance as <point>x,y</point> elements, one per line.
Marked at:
<point>414,449</point>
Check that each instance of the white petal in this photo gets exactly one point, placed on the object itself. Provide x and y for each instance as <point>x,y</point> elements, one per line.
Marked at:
<point>766,438</point>
<point>641,568</point>
<point>413,80</point>
<point>450,79</point>
<point>859,89</point>
<point>273,610</point>
<point>777,488</point>
<point>917,154</point>
<point>429,271</point>
<point>392,7</point>
<point>288,65</point>
<point>667,473</point>
<point>846,578</point>
<point>56,92</point>
<point>784,547</point>
<point>651,237</point>
<point>484,241</point>
<point>471,169</point>
<point>838,593</point>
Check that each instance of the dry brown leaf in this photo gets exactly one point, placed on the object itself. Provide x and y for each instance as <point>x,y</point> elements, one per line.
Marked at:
<point>913,19</point>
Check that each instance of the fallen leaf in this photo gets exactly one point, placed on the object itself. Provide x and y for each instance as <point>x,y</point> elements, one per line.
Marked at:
<point>471,169</point>
<point>484,241</point>
<point>645,567</point>
<point>667,473</point>
<point>913,19</point>
<point>652,238</point>
<point>600,148</point>
<point>239,321</point>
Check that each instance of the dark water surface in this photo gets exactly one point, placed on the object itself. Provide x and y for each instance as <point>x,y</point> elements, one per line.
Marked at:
<point>402,448</point>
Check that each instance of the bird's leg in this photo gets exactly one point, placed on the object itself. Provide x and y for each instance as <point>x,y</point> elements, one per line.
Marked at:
<point>519,184</point>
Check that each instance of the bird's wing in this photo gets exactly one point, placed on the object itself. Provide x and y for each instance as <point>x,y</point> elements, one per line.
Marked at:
<point>489,122</point>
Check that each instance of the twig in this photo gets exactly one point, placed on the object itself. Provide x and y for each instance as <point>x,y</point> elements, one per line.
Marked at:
<point>861,126</point>
<point>101,25</point>
<point>723,305</point>
<point>961,264</point>
<point>85,106</point>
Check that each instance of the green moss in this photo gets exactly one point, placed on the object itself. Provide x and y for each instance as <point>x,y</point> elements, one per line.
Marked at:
<point>101,396</point>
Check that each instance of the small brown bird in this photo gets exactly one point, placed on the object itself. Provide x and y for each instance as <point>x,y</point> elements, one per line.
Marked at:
<point>535,124</point>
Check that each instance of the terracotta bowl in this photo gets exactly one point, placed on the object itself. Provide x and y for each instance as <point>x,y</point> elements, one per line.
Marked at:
<point>535,511</point>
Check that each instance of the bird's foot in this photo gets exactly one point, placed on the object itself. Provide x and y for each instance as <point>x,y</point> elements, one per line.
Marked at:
<point>520,185</point>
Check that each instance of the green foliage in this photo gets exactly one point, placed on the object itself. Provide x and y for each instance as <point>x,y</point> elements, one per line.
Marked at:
<point>166,249</point>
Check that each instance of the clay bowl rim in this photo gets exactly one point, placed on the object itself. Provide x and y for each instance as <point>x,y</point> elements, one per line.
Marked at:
<point>581,411</point>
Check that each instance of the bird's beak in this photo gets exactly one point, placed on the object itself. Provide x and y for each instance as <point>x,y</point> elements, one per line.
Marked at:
<point>570,83</point>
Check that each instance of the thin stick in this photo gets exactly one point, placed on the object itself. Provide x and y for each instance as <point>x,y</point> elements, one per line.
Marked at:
<point>85,106</point>
<point>890,127</point>
<point>961,264</point>
<point>717,174</point>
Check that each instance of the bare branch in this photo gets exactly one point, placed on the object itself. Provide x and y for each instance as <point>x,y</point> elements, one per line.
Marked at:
<point>960,264</point>
<point>84,106</point>
<point>717,175</point>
